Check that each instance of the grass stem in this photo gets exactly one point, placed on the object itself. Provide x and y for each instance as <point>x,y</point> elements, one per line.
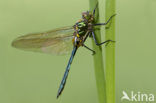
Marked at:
<point>98,60</point>
<point>110,52</point>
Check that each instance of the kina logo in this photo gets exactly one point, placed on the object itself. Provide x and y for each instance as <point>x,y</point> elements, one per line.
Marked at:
<point>137,96</point>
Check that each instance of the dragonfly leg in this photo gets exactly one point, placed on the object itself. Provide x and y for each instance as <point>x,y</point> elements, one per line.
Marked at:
<point>107,41</point>
<point>90,34</point>
<point>89,49</point>
<point>105,22</point>
<point>95,9</point>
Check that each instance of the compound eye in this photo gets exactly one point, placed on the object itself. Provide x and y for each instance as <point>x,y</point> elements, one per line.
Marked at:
<point>84,15</point>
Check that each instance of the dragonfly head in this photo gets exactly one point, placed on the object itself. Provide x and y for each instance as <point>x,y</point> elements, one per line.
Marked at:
<point>87,16</point>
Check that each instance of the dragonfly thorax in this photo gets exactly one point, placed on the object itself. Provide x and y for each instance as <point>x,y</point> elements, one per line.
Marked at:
<point>81,28</point>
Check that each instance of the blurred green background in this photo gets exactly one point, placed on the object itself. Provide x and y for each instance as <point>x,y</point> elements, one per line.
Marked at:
<point>28,77</point>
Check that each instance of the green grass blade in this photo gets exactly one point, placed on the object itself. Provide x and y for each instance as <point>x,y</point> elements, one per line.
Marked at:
<point>98,61</point>
<point>110,52</point>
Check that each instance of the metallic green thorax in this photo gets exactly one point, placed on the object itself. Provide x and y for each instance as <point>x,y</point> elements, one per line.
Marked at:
<point>82,27</point>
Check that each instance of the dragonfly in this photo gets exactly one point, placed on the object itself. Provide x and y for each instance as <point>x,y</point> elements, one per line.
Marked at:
<point>63,40</point>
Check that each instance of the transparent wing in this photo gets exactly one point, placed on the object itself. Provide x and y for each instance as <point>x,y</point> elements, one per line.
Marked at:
<point>57,41</point>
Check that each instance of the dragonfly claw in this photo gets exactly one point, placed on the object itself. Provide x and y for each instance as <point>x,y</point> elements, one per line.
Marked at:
<point>109,41</point>
<point>93,53</point>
